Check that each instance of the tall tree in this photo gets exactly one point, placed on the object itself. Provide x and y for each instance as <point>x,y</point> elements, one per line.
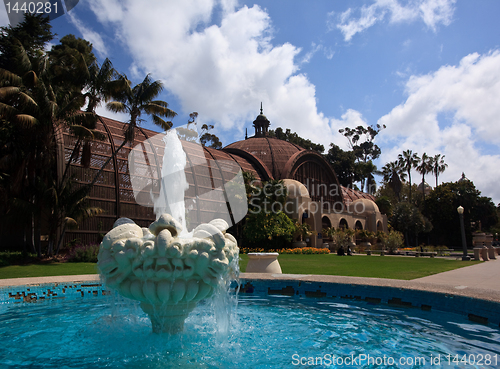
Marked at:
<point>408,219</point>
<point>209,139</point>
<point>424,167</point>
<point>441,208</point>
<point>294,138</point>
<point>393,175</point>
<point>31,104</point>
<point>361,141</point>
<point>33,33</point>
<point>367,170</point>
<point>40,95</point>
<point>343,164</point>
<point>408,161</point>
<point>136,101</point>
<point>438,166</point>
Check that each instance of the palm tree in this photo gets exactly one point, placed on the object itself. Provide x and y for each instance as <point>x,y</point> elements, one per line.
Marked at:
<point>367,170</point>
<point>438,166</point>
<point>393,174</point>
<point>136,101</point>
<point>392,168</point>
<point>408,160</point>
<point>74,207</point>
<point>423,168</point>
<point>34,108</point>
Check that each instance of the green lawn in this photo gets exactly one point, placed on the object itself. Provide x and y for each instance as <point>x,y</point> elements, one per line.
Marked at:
<point>47,269</point>
<point>364,266</point>
<point>357,266</point>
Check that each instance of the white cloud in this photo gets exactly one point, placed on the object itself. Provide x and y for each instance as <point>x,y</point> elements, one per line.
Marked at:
<point>327,51</point>
<point>93,37</point>
<point>453,111</point>
<point>4,18</point>
<point>223,71</point>
<point>314,49</point>
<point>431,12</point>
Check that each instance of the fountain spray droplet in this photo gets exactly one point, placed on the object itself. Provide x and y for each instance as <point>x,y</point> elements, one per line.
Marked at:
<point>173,182</point>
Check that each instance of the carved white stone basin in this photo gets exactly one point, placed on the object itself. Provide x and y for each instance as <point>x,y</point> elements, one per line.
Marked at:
<point>166,273</point>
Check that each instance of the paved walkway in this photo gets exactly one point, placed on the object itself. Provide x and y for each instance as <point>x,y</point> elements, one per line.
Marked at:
<point>484,275</point>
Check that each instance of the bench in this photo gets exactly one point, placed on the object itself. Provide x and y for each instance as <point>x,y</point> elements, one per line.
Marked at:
<point>445,252</point>
<point>425,253</point>
<point>409,253</point>
<point>369,252</point>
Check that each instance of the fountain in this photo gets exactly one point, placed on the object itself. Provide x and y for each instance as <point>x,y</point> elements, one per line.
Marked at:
<point>165,267</point>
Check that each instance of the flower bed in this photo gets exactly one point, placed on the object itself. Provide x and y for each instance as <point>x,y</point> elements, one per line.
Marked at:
<point>303,250</point>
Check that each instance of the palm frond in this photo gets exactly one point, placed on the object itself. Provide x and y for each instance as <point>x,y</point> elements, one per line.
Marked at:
<point>70,222</point>
<point>154,108</point>
<point>23,60</point>
<point>26,120</point>
<point>165,125</point>
<point>8,91</point>
<point>82,131</point>
<point>7,110</point>
<point>151,91</point>
<point>11,78</point>
<point>117,107</point>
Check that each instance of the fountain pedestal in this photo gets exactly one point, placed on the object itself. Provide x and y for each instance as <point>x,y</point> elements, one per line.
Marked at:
<point>168,318</point>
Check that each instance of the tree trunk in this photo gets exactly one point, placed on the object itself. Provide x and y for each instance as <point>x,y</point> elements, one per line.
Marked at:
<point>63,233</point>
<point>38,236</point>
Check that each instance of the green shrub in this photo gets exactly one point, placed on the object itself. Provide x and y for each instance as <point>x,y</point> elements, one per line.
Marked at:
<point>15,258</point>
<point>268,231</point>
<point>84,253</point>
<point>393,241</point>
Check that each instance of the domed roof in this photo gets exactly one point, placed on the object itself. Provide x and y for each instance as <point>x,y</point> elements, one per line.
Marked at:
<point>425,186</point>
<point>363,207</point>
<point>463,178</point>
<point>273,152</point>
<point>295,188</point>
<point>262,117</point>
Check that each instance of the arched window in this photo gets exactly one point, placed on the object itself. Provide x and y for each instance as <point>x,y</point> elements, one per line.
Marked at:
<point>343,224</point>
<point>325,222</point>
<point>380,226</point>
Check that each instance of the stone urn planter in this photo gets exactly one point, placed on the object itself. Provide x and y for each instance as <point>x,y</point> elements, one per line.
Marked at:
<point>299,244</point>
<point>263,262</point>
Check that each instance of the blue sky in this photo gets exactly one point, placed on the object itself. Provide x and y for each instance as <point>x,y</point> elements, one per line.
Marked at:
<point>427,69</point>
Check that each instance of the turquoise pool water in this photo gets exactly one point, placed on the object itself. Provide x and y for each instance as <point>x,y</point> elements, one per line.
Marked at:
<point>264,332</point>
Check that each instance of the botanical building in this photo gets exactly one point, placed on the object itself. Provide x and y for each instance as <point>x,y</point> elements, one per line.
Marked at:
<point>315,195</point>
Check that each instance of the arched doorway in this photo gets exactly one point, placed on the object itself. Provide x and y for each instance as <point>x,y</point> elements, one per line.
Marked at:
<point>343,224</point>
<point>380,226</point>
<point>307,218</point>
<point>358,225</point>
<point>325,222</point>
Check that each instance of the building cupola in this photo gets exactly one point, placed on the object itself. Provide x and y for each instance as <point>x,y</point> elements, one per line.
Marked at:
<point>261,124</point>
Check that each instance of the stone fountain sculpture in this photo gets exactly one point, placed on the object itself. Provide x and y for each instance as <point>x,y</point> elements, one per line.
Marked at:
<point>164,267</point>
<point>167,274</point>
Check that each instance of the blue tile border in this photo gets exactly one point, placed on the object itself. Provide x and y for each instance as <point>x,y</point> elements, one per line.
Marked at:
<point>477,310</point>
<point>45,291</point>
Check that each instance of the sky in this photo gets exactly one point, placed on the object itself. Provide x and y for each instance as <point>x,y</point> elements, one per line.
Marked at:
<point>429,70</point>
